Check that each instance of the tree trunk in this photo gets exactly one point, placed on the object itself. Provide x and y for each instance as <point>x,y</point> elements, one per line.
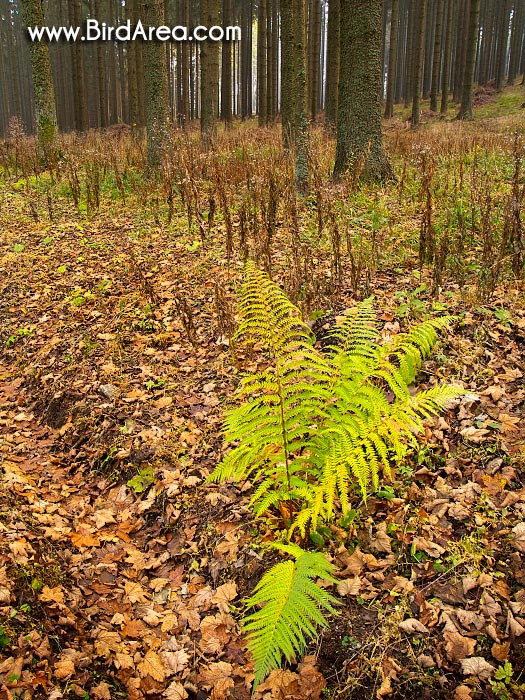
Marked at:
<point>226,68</point>
<point>359,135</point>
<point>332,65</point>
<point>43,91</point>
<point>156,86</point>
<point>79,94</point>
<point>447,56</point>
<point>436,62</point>
<point>515,43</point>
<point>262,56</point>
<point>392,60</point>
<point>101,73</point>
<point>299,116</point>
<point>418,62</point>
<point>209,75</point>
<point>287,75</point>
<point>465,111</point>
<point>314,50</point>
<point>502,44</point>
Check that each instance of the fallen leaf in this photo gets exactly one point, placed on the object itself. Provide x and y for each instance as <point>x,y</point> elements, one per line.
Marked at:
<point>457,646</point>
<point>411,626</point>
<point>518,537</point>
<point>349,586</point>
<point>500,651</point>
<point>52,595</point>
<point>135,592</point>
<point>175,691</point>
<point>152,666</point>
<point>174,661</point>
<point>477,666</point>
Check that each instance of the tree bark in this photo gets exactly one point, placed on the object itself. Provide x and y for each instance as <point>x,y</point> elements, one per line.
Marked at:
<point>447,56</point>
<point>392,60</point>
<point>465,111</point>
<point>262,56</point>
<point>359,134</point>
<point>436,62</point>
<point>209,75</point>
<point>226,68</point>
<point>418,62</point>
<point>332,65</point>
<point>300,101</point>
<point>43,91</point>
<point>156,86</point>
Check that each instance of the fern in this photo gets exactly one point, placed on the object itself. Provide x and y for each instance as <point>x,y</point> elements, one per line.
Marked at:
<point>312,424</point>
<point>292,609</point>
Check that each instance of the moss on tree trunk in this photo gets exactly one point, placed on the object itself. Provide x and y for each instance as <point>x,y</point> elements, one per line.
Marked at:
<point>359,134</point>
<point>156,86</point>
<point>43,90</point>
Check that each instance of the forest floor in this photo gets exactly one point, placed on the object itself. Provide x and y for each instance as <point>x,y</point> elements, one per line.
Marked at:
<point>122,574</point>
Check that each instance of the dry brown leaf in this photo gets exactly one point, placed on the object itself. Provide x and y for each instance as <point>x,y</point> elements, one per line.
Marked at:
<point>64,668</point>
<point>457,646</point>
<point>518,537</point>
<point>463,692</point>
<point>500,651</point>
<point>84,539</point>
<point>350,586</point>
<point>102,517</point>
<point>282,684</point>
<point>477,666</point>
<point>430,548</point>
<point>218,677</point>
<point>169,622</point>
<point>106,642</point>
<point>152,666</point>
<point>411,626</point>
<point>475,435</point>
<point>123,660</point>
<point>135,592</point>
<point>52,595</point>
<point>174,661</point>
<point>425,661</point>
<point>513,626</point>
<point>101,691</point>
<point>175,691</point>
<point>224,594</point>
<point>381,542</point>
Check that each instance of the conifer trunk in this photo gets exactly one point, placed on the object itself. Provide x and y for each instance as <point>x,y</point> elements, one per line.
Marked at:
<point>465,111</point>
<point>392,60</point>
<point>156,86</point>
<point>332,64</point>
<point>359,135</point>
<point>43,91</point>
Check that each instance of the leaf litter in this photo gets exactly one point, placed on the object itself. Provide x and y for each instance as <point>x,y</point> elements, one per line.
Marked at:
<point>121,575</point>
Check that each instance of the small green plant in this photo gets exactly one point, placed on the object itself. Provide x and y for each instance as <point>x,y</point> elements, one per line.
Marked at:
<point>5,641</point>
<point>312,424</point>
<point>504,686</point>
<point>292,609</point>
<point>142,481</point>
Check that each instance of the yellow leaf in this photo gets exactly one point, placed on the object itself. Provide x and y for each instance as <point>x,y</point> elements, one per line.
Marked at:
<point>152,666</point>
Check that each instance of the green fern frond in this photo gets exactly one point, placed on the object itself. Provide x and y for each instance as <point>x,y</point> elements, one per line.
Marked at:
<point>311,425</point>
<point>292,609</point>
